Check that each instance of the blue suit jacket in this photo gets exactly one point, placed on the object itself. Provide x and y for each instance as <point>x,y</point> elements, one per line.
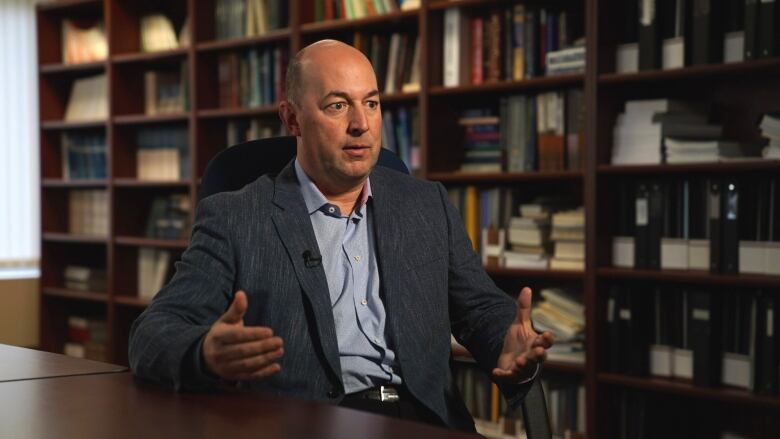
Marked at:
<point>431,281</point>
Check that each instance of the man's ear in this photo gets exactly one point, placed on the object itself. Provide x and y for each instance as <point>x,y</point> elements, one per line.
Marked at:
<point>289,118</point>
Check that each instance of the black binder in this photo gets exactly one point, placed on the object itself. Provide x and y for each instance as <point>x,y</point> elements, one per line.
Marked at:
<point>613,330</point>
<point>641,225</point>
<point>707,32</point>
<point>729,249</point>
<point>705,324</point>
<point>751,29</point>
<point>636,330</point>
<point>655,225</point>
<point>765,365</point>
<point>650,34</point>
<point>714,214</point>
<point>769,37</point>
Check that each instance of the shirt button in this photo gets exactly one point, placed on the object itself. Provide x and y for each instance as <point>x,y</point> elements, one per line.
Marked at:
<point>331,209</point>
<point>376,340</point>
<point>357,258</point>
<point>364,302</point>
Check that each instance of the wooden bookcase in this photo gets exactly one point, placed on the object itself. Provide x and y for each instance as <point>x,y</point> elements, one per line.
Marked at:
<point>749,88</point>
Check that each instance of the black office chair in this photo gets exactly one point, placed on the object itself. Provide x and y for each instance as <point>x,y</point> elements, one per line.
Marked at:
<point>242,164</point>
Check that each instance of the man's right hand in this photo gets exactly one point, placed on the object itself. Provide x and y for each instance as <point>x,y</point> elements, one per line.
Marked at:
<point>236,352</point>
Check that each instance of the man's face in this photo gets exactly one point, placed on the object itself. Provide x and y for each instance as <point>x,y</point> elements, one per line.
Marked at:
<point>339,118</point>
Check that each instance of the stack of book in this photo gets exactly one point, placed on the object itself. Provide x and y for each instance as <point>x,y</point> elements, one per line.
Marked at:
<point>482,141</point>
<point>396,59</point>
<point>166,92</point>
<point>354,9</point>
<point>401,134</point>
<point>169,217</point>
<point>244,130</point>
<point>81,44</point>
<point>154,270</point>
<point>87,338</point>
<point>528,235</point>
<point>88,100</point>
<point>252,78</point>
<point>158,33</point>
<point>162,154</point>
<point>568,236</point>
<point>83,278</point>
<point>510,43</point>
<point>88,212</point>
<point>83,156</point>
<point>562,313</point>
<point>770,128</point>
<point>640,132</point>
<point>246,18</point>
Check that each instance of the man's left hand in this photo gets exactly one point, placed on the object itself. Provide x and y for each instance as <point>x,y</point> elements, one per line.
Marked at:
<point>524,348</point>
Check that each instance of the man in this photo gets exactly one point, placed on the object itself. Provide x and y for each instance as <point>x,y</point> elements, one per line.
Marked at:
<point>335,278</point>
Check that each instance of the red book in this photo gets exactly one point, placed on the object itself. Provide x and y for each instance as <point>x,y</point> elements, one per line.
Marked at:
<point>477,27</point>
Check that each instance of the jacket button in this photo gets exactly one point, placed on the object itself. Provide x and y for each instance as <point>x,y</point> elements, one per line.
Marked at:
<point>333,394</point>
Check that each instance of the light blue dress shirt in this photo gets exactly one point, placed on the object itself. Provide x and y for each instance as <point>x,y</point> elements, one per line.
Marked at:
<point>346,244</point>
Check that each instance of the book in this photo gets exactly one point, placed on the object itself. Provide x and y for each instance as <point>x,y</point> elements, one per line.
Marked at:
<point>83,41</point>
<point>88,99</point>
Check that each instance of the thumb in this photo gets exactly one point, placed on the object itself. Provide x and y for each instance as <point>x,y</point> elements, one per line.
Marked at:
<point>235,314</point>
<point>524,306</point>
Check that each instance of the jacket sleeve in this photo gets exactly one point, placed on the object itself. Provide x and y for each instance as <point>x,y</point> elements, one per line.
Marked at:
<point>165,340</point>
<point>480,312</point>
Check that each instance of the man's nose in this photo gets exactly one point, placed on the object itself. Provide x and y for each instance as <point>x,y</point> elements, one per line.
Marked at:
<point>358,122</point>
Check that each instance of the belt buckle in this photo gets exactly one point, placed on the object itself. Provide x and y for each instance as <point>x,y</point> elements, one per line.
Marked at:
<point>387,393</point>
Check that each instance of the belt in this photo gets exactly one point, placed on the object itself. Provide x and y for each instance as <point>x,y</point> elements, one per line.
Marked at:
<point>379,393</point>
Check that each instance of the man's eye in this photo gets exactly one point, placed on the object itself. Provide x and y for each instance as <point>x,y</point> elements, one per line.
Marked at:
<point>338,106</point>
<point>373,104</point>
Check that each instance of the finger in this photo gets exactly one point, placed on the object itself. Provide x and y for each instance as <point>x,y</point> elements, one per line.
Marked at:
<point>235,314</point>
<point>238,351</point>
<point>267,371</point>
<point>226,334</point>
<point>544,340</point>
<point>524,306</point>
<point>253,364</point>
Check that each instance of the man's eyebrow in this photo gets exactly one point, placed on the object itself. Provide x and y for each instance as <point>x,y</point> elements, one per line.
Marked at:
<point>344,95</point>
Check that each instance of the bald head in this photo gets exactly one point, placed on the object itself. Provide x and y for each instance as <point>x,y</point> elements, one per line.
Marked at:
<point>313,57</point>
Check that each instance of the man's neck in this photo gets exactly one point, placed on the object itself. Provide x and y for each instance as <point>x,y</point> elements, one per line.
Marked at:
<point>345,199</point>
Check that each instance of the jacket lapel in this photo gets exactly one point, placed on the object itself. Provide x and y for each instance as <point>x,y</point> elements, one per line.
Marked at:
<point>297,235</point>
<point>387,218</point>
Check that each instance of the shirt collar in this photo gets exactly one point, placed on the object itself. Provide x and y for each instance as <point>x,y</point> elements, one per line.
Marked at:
<point>315,200</point>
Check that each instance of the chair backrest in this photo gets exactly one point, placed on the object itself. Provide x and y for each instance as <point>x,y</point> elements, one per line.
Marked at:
<point>244,163</point>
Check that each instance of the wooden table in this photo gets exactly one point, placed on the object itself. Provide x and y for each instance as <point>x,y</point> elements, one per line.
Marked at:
<point>26,364</point>
<point>118,406</point>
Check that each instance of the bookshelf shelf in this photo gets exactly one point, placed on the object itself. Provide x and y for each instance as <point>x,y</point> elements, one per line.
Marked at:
<point>142,119</point>
<point>133,183</point>
<point>505,177</point>
<point>690,277</point>
<point>540,83</point>
<point>59,183</point>
<point>536,274</point>
<point>74,69</point>
<point>62,125</point>
<point>441,5</point>
<point>131,301</point>
<point>69,5</point>
<point>277,35</point>
<point>399,97</point>
<point>75,239</point>
<point>73,294</point>
<point>150,57</point>
<point>148,242</point>
<point>227,113</point>
<point>713,168</point>
<point>338,25</point>
<point>696,73</point>
<point>688,389</point>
